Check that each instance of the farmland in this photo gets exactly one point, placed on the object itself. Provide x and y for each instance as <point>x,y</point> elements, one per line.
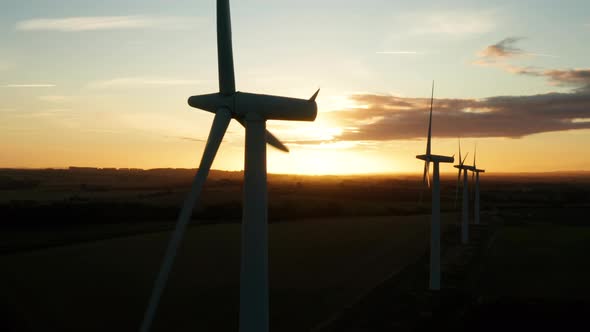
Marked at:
<point>317,266</point>
<point>80,248</point>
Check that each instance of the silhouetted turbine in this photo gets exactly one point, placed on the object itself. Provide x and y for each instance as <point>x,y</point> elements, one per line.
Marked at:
<point>476,171</point>
<point>252,111</point>
<point>435,217</point>
<point>465,211</point>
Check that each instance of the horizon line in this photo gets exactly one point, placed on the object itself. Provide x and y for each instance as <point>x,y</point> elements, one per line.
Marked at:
<point>73,168</point>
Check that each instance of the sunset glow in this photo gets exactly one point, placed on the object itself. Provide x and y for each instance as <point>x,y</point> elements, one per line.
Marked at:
<point>107,85</point>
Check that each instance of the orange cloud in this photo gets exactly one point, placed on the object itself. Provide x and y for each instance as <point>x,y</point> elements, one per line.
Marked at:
<point>394,118</point>
<point>503,49</point>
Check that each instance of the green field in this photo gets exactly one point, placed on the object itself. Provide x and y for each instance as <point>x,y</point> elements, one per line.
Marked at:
<point>539,261</point>
<point>317,267</point>
<point>80,248</point>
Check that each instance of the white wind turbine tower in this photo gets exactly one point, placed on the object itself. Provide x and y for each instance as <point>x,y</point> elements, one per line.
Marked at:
<point>435,217</point>
<point>465,211</point>
<point>476,172</point>
<point>252,111</point>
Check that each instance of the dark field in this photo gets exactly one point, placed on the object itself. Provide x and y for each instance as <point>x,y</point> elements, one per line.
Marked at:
<point>80,248</point>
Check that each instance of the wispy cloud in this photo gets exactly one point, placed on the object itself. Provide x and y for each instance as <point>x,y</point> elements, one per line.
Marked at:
<point>401,52</point>
<point>578,79</point>
<point>503,50</point>
<point>91,23</point>
<point>187,138</point>
<point>131,82</point>
<point>28,85</point>
<point>455,23</point>
<point>497,55</point>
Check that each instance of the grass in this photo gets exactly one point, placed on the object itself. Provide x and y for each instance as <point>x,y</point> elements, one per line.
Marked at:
<point>543,261</point>
<point>317,267</point>
<point>35,238</point>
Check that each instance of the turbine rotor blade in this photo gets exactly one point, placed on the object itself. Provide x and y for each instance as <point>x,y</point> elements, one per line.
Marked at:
<point>474,155</point>
<point>424,182</point>
<point>460,149</point>
<point>463,161</point>
<point>271,139</point>
<point>430,122</point>
<point>218,128</point>
<point>274,142</point>
<point>225,58</point>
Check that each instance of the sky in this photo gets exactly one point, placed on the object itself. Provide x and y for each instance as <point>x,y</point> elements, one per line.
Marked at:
<point>106,83</point>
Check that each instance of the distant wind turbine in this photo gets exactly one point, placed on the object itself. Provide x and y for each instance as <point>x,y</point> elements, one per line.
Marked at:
<point>251,111</point>
<point>435,217</point>
<point>465,211</point>
<point>476,171</point>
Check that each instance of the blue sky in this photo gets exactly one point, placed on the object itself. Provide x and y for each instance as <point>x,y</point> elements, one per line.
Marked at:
<point>105,83</point>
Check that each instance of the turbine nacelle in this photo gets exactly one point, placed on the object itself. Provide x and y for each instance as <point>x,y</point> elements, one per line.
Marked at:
<point>436,158</point>
<point>267,107</point>
<point>469,168</point>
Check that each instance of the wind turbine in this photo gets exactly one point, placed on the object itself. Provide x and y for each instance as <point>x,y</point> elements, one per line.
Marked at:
<point>435,217</point>
<point>476,171</point>
<point>251,111</point>
<point>465,212</point>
